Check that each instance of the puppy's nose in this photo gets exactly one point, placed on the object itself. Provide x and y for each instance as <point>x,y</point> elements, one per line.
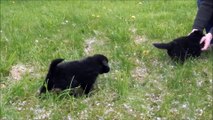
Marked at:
<point>106,70</point>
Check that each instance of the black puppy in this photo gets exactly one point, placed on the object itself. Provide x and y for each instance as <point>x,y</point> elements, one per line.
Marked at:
<point>183,47</point>
<point>83,73</point>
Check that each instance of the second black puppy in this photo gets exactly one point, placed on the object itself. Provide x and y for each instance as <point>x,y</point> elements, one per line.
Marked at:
<point>65,75</point>
<point>183,47</point>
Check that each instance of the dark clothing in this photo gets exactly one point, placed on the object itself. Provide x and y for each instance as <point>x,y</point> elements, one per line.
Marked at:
<point>204,18</point>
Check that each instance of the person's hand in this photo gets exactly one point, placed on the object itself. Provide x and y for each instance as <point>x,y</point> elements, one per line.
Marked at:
<point>207,40</point>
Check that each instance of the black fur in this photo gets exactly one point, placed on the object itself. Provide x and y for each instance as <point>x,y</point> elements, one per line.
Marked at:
<point>183,47</point>
<point>65,75</point>
<point>50,75</point>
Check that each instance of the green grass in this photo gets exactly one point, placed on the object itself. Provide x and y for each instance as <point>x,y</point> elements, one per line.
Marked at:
<point>143,82</point>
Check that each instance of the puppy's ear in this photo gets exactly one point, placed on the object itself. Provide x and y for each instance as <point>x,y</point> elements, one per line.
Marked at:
<point>163,45</point>
<point>105,63</point>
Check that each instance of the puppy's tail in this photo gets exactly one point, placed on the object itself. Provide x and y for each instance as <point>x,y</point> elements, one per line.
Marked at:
<point>52,67</point>
<point>48,83</point>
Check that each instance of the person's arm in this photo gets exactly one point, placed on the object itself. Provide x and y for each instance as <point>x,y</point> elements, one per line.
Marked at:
<point>204,15</point>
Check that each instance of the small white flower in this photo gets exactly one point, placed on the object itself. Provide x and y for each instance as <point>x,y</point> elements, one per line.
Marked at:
<point>65,22</point>
<point>158,118</point>
<point>69,117</point>
<point>97,103</point>
<point>184,106</point>
<point>199,83</point>
<point>199,112</point>
<point>73,24</point>
<point>6,39</point>
<point>210,81</point>
<point>19,108</point>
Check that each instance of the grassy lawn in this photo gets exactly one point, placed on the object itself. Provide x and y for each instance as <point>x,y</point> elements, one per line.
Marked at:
<point>143,84</point>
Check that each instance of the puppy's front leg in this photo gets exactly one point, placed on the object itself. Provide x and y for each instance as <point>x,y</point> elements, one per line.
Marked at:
<point>87,88</point>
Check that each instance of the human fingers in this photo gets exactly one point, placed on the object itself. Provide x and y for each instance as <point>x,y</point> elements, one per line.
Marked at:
<point>202,39</point>
<point>206,45</point>
<point>207,41</point>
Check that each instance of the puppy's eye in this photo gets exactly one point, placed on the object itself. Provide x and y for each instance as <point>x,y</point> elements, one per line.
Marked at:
<point>105,63</point>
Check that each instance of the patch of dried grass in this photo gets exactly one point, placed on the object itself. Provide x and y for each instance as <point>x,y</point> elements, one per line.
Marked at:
<point>91,44</point>
<point>140,72</point>
<point>138,39</point>
<point>19,70</point>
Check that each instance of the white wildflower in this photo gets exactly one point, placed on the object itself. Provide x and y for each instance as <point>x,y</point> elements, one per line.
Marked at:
<point>199,83</point>
<point>69,117</point>
<point>184,106</point>
<point>158,118</point>
<point>199,112</point>
<point>36,41</point>
<point>65,22</point>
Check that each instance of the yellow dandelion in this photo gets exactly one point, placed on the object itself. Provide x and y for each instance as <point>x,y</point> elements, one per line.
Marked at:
<point>93,15</point>
<point>145,52</point>
<point>133,17</point>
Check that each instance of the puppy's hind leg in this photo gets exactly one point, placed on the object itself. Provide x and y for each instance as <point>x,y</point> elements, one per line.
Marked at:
<point>47,85</point>
<point>42,90</point>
